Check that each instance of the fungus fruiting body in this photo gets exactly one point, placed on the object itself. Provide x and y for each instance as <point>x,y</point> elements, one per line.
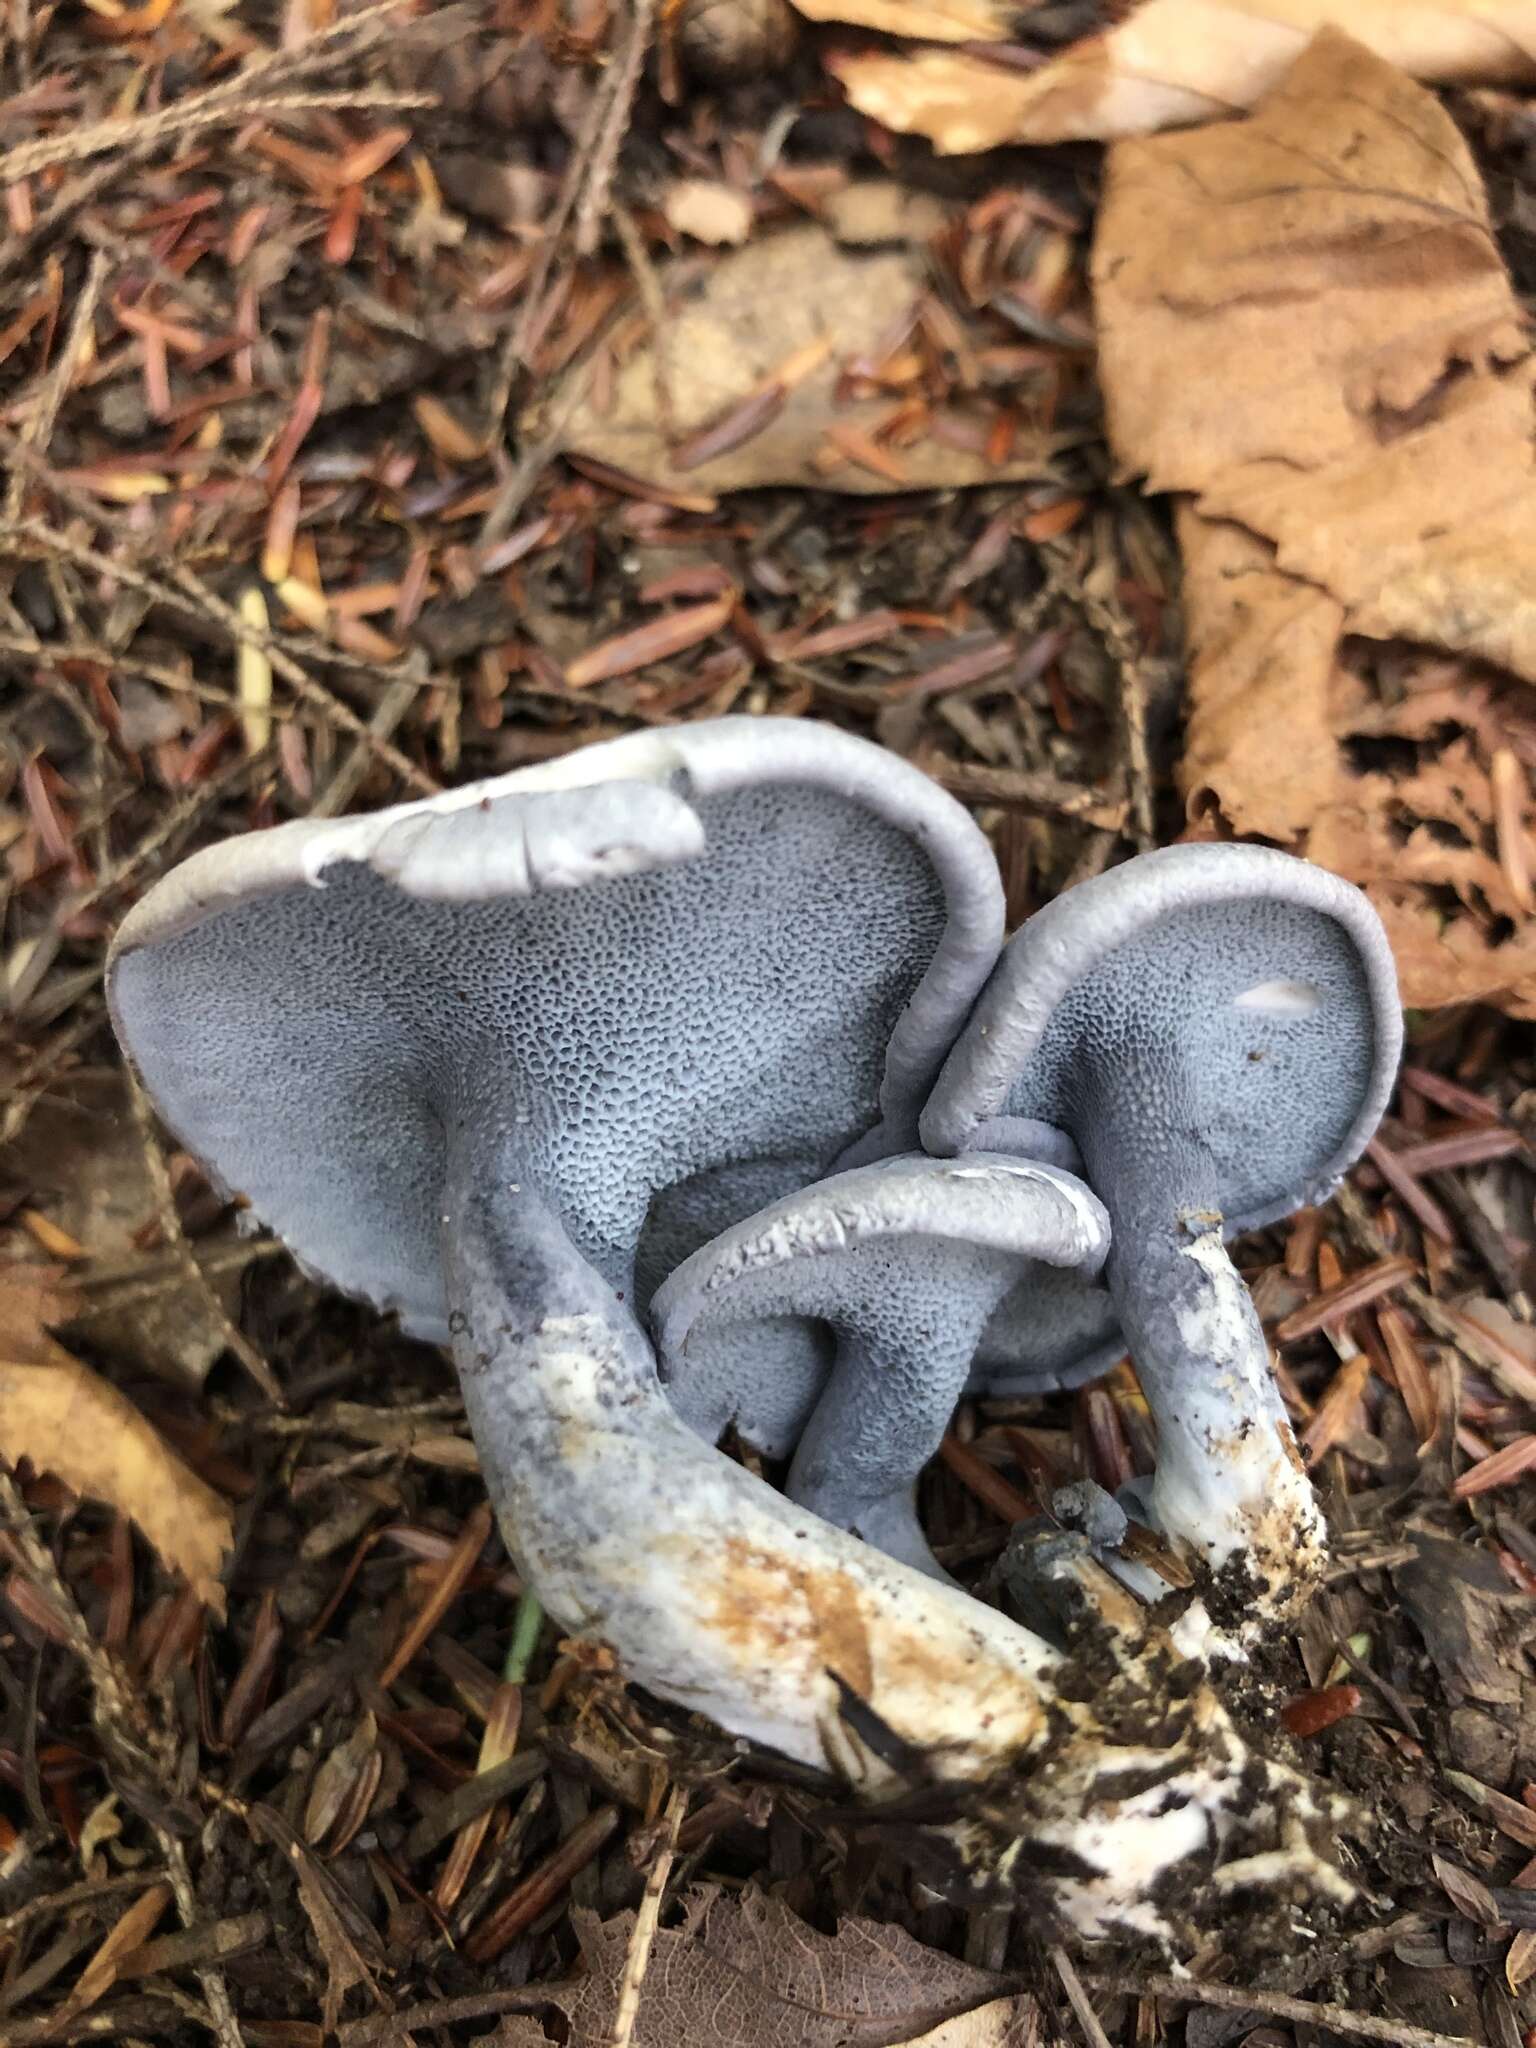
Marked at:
<point>1217,1030</point>
<point>694,979</point>
<point>904,1263</point>
<point>640,1043</point>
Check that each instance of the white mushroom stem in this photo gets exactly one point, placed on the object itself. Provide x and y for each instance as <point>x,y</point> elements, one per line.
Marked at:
<point>718,1594</point>
<point>1229,1482</point>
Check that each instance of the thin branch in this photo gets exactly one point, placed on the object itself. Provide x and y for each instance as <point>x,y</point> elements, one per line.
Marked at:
<point>642,1938</point>
<point>195,598</point>
<point>1281,2006</point>
<point>1080,2002</point>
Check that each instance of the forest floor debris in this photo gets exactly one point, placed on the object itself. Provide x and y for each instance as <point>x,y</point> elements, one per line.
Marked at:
<point>285,298</point>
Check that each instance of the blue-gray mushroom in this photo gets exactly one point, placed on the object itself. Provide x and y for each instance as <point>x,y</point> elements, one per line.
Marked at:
<point>500,1061</point>
<point>844,1319</point>
<point>1217,1029</point>
<point>694,968</point>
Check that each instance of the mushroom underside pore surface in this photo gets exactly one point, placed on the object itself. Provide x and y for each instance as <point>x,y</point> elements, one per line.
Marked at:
<point>856,1305</point>
<point>504,1060</point>
<point>1216,1029</point>
<point>692,998</point>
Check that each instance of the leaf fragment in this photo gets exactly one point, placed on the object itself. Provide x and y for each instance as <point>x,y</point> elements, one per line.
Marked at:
<point>1334,375</point>
<point>67,1420</point>
<point>743,1971</point>
<point>762,350</point>
<point>1168,64</point>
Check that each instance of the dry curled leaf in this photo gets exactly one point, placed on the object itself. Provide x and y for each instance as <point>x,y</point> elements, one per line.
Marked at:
<point>1170,64</point>
<point>1332,368</point>
<point>742,1971</point>
<point>737,348</point>
<point>66,1420</point>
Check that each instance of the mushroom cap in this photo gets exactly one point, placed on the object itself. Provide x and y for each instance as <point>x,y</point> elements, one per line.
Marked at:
<point>795,1258</point>
<point>694,965</point>
<point>902,1263</point>
<point>1251,994</point>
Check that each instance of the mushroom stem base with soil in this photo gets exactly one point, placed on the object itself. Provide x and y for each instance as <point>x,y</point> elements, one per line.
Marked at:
<point>1229,1484</point>
<point>1098,1784</point>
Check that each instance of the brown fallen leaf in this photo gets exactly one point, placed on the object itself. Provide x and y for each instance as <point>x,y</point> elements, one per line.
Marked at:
<point>1169,64</point>
<point>783,300</point>
<point>742,1971</point>
<point>33,1301</point>
<point>66,1420</point>
<point>1469,1615</point>
<point>1334,373</point>
<point>83,1156</point>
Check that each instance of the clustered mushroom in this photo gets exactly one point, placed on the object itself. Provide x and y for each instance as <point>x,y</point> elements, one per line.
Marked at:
<point>686,1083</point>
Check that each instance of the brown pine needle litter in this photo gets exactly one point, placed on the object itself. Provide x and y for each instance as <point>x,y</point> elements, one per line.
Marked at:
<point>1126,502</point>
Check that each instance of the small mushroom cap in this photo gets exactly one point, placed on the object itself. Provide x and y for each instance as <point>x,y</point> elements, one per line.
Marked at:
<point>694,966</point>
<point>1234,996</point>
<point>802,1248</point>
<point>903,1263</point>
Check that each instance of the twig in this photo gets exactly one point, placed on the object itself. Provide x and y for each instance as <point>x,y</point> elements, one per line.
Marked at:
<point>625,75</point>
<point>37,428</point>
<point>1110,623</point>
<point>584,194</point>
<point>637,1959</point>
<point>117,1710</point>
<point>211,1978</point>
<point>652,298</point>
<point>197,599</point>
<point>533,461</point>
<point>386,2028</point>
<point>1029,790</point>
<point>27,1088</point>
<point>397,699</point>
<point>142,133</point>
<point>110,1289</point>
<point>345,38</point>
<point>1388,1691</point>
<point>86,1893</point>
<point>1279,2005</point>
<point>1081,2004</point>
